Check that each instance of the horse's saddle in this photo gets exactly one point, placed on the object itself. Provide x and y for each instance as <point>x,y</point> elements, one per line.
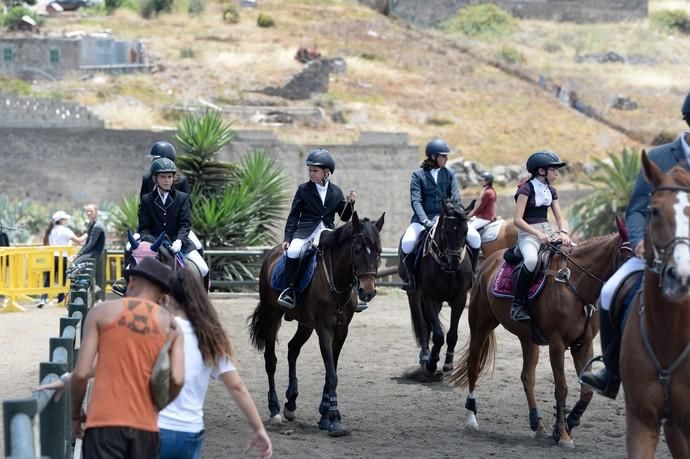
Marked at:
<point>489,232</point>
<point>307,268</point>
<point>503,285</point>
<point>624,296</point>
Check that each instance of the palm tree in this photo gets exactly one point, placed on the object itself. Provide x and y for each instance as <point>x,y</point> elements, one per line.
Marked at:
<point>201,137</point>
<point>613,182</point>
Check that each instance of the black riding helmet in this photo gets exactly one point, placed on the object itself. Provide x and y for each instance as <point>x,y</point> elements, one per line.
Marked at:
<point>321,158</point>
<point>162,165</point>
<point>437,147</point>
<point>685,109</point>
<point>163,149</point>
<point>543,159</point>
<point>487,176</point>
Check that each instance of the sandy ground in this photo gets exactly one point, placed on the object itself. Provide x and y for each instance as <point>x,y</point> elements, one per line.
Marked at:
<point>389,416</point>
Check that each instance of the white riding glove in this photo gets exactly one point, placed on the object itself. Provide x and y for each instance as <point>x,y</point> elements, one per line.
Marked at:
<point>176,246</point>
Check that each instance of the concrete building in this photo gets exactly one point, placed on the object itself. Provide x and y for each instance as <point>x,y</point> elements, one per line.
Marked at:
<point>56,58</point>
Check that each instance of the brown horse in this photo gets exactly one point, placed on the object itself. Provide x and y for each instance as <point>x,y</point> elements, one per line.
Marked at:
<point>565,315</point>
<point>507,237</point>
<point>348,259</point>
<point>655,351</point>
<point>444,273</point>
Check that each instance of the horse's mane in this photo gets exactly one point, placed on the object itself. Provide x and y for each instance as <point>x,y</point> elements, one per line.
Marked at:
<point>455,210</point>
<point>343,234</point>
<point>679,176</point>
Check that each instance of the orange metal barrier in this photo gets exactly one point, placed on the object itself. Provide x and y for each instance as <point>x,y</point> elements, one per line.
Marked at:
<point>22,271</point>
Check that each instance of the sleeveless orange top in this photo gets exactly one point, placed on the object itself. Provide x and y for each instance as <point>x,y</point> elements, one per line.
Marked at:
<point>127,350</point>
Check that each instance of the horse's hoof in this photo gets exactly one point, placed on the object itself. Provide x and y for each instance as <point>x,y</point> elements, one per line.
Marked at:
<point>567,444</point>
<point>289,415</point>
<point>324,424</point>
<point>336,429</point>
<point>471,421</point>
<point>447,367</point>
<point>276,420</point>
<point>541,432</point>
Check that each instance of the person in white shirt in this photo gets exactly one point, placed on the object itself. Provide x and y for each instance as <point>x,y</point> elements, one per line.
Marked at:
<point>207,354</point>
<point>58,233</point>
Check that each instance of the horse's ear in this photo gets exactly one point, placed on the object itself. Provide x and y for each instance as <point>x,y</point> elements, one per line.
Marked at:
<point>379,222</point>
<point>622,229</point>
<point>132,242</point>
<point>651,171</point>
<point>356,225</point>
<point>469,208</point>
<point>157,243</point>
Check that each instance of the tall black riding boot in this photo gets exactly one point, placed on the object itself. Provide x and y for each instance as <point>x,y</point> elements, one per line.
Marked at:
<point>607,380</point>
<point>287,297</point>
<point>518,310</point>
<point>474,257</point>
<point>409,283</point>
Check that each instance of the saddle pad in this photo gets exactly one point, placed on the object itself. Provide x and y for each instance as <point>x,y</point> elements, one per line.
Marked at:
<point>489,233</point>
<point>502,286</point>
<point>307,271</point>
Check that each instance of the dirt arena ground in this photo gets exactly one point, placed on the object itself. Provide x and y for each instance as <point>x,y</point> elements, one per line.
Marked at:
<point>389,416</point>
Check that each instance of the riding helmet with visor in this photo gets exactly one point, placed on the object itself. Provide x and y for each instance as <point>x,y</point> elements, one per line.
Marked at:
<point>163,149</point>
<point>437,147</point>
<point>543,159</point>
<point>321,158</point>
<point>161,166</point>
<point>487,176</point>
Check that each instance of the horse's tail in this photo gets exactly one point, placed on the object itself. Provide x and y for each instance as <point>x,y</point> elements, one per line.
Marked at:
<point>260,327</point>
<point>460,376</point>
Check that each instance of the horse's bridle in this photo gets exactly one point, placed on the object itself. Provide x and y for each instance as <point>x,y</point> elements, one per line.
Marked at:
<point>658,263</point>
<point>371,272</point>
<point>442,257</point>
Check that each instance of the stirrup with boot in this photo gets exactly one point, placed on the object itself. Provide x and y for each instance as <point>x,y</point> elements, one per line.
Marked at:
<point>287,297</point>
<point>518,310</point>
<point>606,381</point>
<point>409,284</point>
<point>361,306</point>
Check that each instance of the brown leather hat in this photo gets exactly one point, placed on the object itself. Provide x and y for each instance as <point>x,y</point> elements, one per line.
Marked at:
<point>152,270</point>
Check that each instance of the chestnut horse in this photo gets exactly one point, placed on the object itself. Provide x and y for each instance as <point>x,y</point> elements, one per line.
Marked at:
<point>565,314</point>
<point>655,351</point>
<point>348,259</point>
<point>444,273</point>
<point>507,237</point>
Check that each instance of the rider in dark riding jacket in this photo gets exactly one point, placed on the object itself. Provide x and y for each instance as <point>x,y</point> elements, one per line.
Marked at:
<point>165,210</point>
<point>313,210</point>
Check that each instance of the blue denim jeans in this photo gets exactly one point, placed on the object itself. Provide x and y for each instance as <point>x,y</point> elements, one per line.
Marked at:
<point>180,445</point>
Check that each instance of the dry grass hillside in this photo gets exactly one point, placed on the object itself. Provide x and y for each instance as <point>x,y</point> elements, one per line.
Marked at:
<point>399,78</point>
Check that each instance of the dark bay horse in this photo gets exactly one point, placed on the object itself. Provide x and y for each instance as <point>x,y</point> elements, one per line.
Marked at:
<point>655,351</point>
<point>565,314</point>
<point>444,273</point>
<point>348,258</point>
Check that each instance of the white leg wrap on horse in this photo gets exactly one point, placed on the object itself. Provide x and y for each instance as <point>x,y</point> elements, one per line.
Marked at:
<point>471,420</point>
<point>198,260</point>
<point>609,289</point>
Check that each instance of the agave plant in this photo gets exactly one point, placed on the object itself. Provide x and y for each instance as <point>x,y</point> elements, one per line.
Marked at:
<point>612,183</point>
<point>125,215</point>
<point>201,137</point>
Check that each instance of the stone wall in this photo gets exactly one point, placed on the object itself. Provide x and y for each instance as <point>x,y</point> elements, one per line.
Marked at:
<point>31,57</point>
<point>34,112</point>
<point>431,12</point>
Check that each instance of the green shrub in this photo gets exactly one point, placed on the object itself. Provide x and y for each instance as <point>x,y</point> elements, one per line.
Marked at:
<point>264,20</point>
<point>433,121</point>
<point>152,8</point>
<point>511,56</point>
<point>671,21</point>
<point>231,14</point>
<point>196,7</point>
<point>187,53</point>
<point>19,87</point>
<point>486,21</point>
<point>663,137</point>
<point>14,15</point>
<point>551,47</point>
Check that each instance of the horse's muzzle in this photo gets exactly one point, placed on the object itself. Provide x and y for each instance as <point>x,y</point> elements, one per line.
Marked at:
<point>674,286</point>
<point>366,289</point>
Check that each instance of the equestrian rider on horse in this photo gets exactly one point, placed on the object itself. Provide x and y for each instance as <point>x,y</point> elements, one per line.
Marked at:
<point>313,210</point>
<point>607,381</point>
<point>533,199</point>
<point>430,185</point>
<point>485,212</point>
<point>165,210</point>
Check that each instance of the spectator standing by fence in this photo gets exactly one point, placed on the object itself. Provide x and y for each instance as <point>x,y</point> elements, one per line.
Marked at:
<point>127,334</point>
<point>207,353</point>
<point>58,233</point>
<point>94,247</point>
